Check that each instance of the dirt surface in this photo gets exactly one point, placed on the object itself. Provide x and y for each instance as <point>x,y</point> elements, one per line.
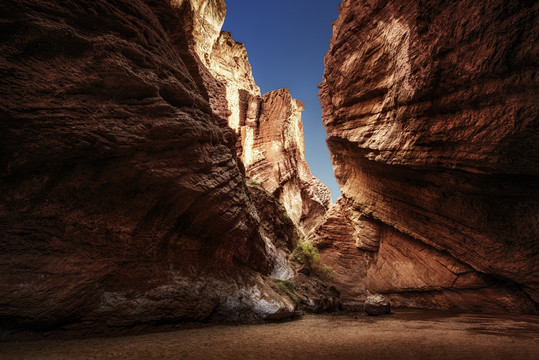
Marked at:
<point>404,335</point>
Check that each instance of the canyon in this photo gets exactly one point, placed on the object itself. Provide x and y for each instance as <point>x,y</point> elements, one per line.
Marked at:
<point>145,179</point>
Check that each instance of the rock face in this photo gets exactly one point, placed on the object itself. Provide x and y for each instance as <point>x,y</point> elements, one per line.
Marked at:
<point>274,154</point>
<point>229,64</point>
<point>377,305</point>
<point>122,199</point>
<point>269,128</point>
<point>431,113</point>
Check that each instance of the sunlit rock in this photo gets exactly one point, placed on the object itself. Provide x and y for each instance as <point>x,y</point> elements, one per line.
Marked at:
<point>269,128</point>
<point>431,114</point>
<point>276,158</point>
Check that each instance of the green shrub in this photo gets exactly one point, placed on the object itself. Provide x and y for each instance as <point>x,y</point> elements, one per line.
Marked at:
<point>254,182</point>
<point>288,288</point>
<point>286,216</point>
<point>307,254</point>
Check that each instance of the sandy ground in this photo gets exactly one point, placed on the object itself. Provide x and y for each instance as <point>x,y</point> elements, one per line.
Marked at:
<point>405,335</point>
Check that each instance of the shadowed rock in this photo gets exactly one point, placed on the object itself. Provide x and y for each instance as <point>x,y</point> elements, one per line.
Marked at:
<point>122,200</point>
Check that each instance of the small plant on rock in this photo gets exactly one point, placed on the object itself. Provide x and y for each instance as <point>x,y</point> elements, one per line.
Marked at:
<point>308,255</point>
<point>254,182</point>
<point>326,272</point>
<point>289,288</point>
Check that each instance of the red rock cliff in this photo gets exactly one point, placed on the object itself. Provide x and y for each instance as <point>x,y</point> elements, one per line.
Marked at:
<point>269,128</point>
<point>122,200</point>
<point>431,113</point>
<point>273,152</point>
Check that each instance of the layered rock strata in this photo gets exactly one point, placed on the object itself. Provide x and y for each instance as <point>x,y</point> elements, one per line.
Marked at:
<point>431,113</point>
<point>122,200</point>
<point>273,151</point>
<point>269,128</point>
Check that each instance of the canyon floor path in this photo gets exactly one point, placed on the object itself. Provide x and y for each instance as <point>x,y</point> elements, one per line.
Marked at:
<point>402,335</point>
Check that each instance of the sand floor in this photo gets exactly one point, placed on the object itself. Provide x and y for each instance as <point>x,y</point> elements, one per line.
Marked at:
<point>404,335</point>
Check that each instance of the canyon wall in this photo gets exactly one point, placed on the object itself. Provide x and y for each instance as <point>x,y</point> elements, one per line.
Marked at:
<point>269,128</point>
<point>273,151</point>
<point>431,113</point>
<point>122,198</point>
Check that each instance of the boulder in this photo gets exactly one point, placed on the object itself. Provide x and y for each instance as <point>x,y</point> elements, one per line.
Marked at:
<point>377,305</point>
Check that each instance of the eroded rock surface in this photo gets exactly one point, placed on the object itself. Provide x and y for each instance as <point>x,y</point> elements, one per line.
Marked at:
<point>431,113</point>
<point>122,200</point>
<point>377,305</point>
<point>269,128</point>
<point>274,155</point>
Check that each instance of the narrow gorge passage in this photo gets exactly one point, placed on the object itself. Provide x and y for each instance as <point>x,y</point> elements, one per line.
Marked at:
<point>158,172</point>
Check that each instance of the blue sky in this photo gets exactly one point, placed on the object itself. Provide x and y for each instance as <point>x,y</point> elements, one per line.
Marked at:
<point>286,41</point>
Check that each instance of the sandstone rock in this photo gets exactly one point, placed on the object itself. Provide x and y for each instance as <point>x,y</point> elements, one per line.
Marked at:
<point>208,18</point>
<point>377,305</point>
<point>229,64</point>
<point>431,114</point>
<point>338,239</point>
<point>269,128</point>
<point>316,296</point>
<point>274,154</point>
<point>122,200</point>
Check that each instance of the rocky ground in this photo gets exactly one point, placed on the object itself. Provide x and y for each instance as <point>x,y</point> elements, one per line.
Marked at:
<point>403,335</point>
